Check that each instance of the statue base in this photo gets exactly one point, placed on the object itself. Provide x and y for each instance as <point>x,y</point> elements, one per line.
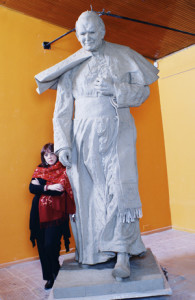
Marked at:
<point>77,282</point>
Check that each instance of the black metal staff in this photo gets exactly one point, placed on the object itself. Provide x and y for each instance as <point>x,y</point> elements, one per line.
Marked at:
<point>47,45</point>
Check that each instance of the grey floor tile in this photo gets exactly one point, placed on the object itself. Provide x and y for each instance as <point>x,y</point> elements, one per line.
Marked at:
<point>5,274</point>
<point>19,294</point>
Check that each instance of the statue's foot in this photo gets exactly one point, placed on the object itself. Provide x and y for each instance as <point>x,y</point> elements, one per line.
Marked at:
<point>122,267</point>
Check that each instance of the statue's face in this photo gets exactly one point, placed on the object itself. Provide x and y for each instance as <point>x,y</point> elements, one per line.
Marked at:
<point>89,34</point>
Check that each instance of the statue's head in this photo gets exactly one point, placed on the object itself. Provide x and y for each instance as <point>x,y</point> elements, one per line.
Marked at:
<point>90,30</point>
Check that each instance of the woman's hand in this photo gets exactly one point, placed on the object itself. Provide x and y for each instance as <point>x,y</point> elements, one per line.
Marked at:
<point>55,187</point>
<point>35,181</point>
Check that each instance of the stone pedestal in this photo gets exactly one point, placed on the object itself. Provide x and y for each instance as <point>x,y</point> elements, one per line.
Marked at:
<point>75,282</point>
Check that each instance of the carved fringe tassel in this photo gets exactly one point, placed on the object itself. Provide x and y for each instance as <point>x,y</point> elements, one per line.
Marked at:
<point>129,215</point>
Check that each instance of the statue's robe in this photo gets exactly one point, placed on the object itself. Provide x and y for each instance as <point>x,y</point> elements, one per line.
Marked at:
<point>102,137</point>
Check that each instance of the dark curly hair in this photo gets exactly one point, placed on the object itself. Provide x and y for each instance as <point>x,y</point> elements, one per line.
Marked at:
<point>46,148</point>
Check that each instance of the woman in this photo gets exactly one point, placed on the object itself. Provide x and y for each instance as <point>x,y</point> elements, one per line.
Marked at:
<point>49,216</point>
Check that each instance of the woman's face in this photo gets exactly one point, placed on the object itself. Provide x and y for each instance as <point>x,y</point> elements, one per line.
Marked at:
<point>50,158</point>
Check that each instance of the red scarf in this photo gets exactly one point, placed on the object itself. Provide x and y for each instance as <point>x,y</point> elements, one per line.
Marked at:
<point>55,208</point>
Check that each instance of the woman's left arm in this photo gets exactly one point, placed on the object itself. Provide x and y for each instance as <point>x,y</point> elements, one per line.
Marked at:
<point>38,186</point>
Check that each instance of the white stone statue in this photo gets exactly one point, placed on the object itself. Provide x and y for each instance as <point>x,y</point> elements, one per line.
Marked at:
<point>95,137</point>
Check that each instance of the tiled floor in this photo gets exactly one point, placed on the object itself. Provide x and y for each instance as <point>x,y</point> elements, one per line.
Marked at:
<point>175,251</point>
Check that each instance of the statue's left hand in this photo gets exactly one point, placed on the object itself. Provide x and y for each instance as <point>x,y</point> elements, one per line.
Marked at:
<point>105,86</point>
<point>65,157</point>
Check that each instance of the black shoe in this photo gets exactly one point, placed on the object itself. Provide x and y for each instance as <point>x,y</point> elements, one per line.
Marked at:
<point>49,284</point>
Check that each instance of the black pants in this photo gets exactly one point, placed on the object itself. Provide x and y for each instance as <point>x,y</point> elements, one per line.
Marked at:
<point>49,244</point>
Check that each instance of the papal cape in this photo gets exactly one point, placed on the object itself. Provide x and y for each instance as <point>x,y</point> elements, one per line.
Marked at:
<point>131,62</point>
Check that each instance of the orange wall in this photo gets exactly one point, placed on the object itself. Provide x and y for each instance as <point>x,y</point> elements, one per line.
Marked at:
<point>26,124</point>
<point>152,171</point>
<point>177,90</point>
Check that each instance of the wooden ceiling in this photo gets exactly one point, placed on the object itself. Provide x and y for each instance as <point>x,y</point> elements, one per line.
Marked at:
<point>152,42</point>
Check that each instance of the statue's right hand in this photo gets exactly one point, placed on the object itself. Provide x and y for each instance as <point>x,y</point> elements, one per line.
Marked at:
<point>65,157</point>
